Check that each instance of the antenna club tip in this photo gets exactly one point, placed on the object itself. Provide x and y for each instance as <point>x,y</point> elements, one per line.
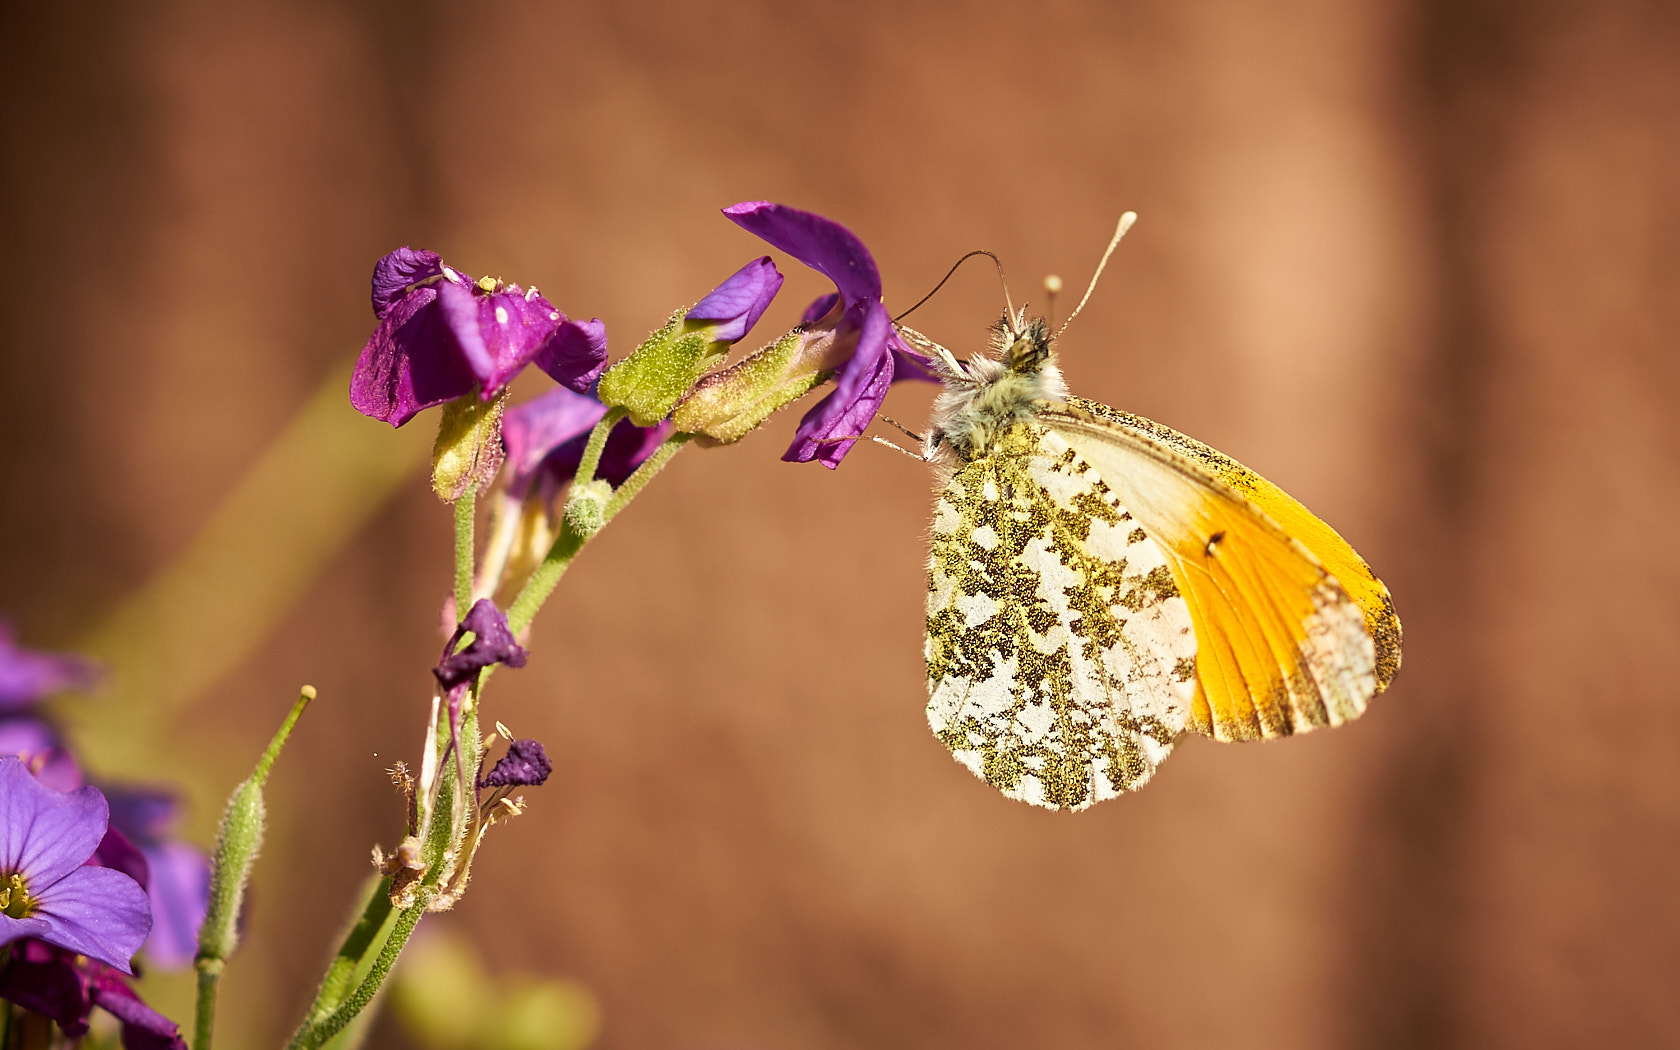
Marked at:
<point>1126,220</point>
<point>1053,284</point>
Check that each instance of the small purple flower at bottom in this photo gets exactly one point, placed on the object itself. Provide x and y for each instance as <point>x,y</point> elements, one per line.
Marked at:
<point>59,985</point>
<point>493,643</point>
<point>47,889</point>
<point>545,439</point>
<point>27,675</point>
<point>526,763</point>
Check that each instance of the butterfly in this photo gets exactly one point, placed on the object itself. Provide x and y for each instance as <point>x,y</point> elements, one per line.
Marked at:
<point>1100,584</point>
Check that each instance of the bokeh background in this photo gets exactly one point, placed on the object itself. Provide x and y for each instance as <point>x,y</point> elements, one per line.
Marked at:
<point>1418,263</point>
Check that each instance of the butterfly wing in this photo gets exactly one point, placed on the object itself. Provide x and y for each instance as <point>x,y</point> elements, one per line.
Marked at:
<point>1294,631</point>
<point>1060,654</point>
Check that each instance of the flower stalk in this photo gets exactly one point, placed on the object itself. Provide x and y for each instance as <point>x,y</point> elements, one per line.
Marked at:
<point>237,845</point>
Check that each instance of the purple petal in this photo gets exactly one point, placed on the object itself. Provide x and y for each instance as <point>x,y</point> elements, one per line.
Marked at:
<point>819,308</point>
<point>627,447</point>
<point>38,745</point>
<point>830,429</point>
<point>576,355</point>
<point>536,431</point>
<point>180,892</point>
<point>43,979</point>
<point>492,643</point>
<point>410,363</point>
<point>526,763</point>
<point>822,244</point>
<point>399,273</point>
<point>545,439</point>
<point>27,675</point>
<point>96,912</point>
<point>738,303</point>
<point>143,1028</point>
<point>145,815</point>
<point>498,334</point>
<point>908,364</point>
<point>119,854</point>
<point>12,929</point>
<point>46,834</point>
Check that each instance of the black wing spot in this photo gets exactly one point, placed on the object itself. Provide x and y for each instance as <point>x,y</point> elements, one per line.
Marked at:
<point>1214,541</point>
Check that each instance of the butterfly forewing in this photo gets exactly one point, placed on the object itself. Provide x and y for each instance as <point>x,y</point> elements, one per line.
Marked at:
<point>1061,656</point>
<point>1284,644</point>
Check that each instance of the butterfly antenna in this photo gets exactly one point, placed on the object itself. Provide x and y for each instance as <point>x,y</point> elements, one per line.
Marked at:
<point>1125,224</point>
<point>948,275</point>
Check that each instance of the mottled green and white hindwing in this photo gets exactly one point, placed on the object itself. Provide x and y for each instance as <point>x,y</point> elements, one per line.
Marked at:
<point>1061,659</point>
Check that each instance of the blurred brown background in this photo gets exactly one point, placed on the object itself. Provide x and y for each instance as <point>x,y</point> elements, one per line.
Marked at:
<point>1416,263</point>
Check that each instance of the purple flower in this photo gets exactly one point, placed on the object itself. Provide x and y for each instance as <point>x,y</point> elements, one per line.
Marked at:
<point>441,334</point>
<point>178,874</point>
<point>59,985</point>
<point>853,326</point>
<point>526,763</point>
<point>27,675</point>
<point>545,438</point>
<point>50,892</point>
<point>37,743</point>
<point>493,643</point>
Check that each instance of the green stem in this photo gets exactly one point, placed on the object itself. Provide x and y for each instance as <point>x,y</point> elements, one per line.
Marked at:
<point>313,1034</point>
<point>357,942</point>
<point>570,541</point>
<point>464,510</point>
<point>591,460</point>
<point>636,482</point>
<point>204,1018</point>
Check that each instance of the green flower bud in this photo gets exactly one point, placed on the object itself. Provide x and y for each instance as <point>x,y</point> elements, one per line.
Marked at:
<point>468,451</point>
<point>648,382</point>
<point>237,844</point>
<point>726,405</point>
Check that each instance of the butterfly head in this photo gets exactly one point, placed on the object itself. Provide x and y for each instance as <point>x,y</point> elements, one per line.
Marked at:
<point>985,396</point>
<point>1022,343</point>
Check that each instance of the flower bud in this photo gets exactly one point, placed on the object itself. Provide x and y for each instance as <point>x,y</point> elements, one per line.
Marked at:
<point>648,382</point>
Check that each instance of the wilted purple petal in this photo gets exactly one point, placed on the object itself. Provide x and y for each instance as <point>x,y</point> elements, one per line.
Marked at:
<point>180,893</point>
<point>526,763</point>
<point>493,643</point>
<point>737,304</point>
<point>27,675</point>
<point>822,244</point>
<point>399,273</point>
<point>410,363</point>
<point>576,354</point>
<point>97,912</point>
